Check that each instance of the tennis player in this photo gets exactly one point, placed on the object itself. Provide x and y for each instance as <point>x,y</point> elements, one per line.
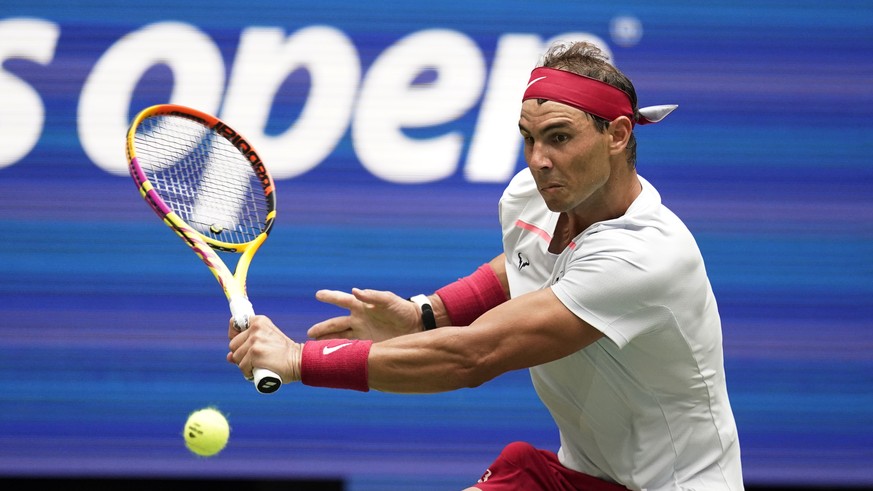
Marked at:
<point>601,292</point>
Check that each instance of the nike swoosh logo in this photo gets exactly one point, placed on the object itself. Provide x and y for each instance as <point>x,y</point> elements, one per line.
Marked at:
<point>330,349</point>
<point>533,82</point>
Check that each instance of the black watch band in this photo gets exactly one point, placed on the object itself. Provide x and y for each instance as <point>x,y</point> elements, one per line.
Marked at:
<point>427,317</point>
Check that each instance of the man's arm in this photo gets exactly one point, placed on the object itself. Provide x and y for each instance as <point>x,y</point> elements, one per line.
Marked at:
<point>526,331</point>
<point>380,315</point>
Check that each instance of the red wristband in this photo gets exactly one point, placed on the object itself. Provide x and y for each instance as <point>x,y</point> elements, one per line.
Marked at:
<point>336,363</point>
<point>469,297</point>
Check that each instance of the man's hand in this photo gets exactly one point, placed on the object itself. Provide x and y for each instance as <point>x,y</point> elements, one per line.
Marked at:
<point>263,345</point>
<point>373,314</point>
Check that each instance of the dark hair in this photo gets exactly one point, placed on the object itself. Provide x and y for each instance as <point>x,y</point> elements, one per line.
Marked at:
<point>587,59</point>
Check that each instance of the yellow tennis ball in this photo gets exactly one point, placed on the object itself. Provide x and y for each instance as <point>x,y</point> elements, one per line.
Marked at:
<point>206,432</point>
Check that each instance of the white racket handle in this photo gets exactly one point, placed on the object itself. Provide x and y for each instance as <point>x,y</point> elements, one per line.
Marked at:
<point>266,381</point>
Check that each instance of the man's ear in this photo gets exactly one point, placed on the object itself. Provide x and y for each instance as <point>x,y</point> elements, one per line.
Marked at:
<point>620,129</point>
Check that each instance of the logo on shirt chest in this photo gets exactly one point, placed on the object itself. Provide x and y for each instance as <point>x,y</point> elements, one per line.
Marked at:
<point>522,261</point>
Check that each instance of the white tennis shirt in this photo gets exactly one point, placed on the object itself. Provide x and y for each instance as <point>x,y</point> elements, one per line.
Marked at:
<point>646,405</point>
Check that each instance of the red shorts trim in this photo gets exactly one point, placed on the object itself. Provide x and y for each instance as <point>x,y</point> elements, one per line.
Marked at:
<point>520,466</point>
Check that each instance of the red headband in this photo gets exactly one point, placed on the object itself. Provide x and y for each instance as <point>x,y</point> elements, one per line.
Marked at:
<point>587,94</point>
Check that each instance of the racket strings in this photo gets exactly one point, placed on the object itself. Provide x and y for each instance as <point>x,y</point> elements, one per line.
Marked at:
<point>203,178</point>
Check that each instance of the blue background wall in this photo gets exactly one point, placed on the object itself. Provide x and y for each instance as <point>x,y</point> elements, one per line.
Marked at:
<point>112,331</point>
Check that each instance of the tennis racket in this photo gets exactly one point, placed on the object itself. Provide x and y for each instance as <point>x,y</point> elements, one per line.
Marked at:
<point>207,183</point>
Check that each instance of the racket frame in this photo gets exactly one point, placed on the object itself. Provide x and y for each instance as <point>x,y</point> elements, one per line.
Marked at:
<point>232,283</point>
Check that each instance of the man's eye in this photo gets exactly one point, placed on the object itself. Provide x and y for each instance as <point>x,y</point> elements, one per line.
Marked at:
<point>560,138</point>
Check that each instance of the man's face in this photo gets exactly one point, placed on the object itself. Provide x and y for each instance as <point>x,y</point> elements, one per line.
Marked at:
<point>568,157</point>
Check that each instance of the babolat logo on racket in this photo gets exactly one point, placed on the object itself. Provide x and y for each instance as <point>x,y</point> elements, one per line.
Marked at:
<point>238,141</point>
<point>246,149</point>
